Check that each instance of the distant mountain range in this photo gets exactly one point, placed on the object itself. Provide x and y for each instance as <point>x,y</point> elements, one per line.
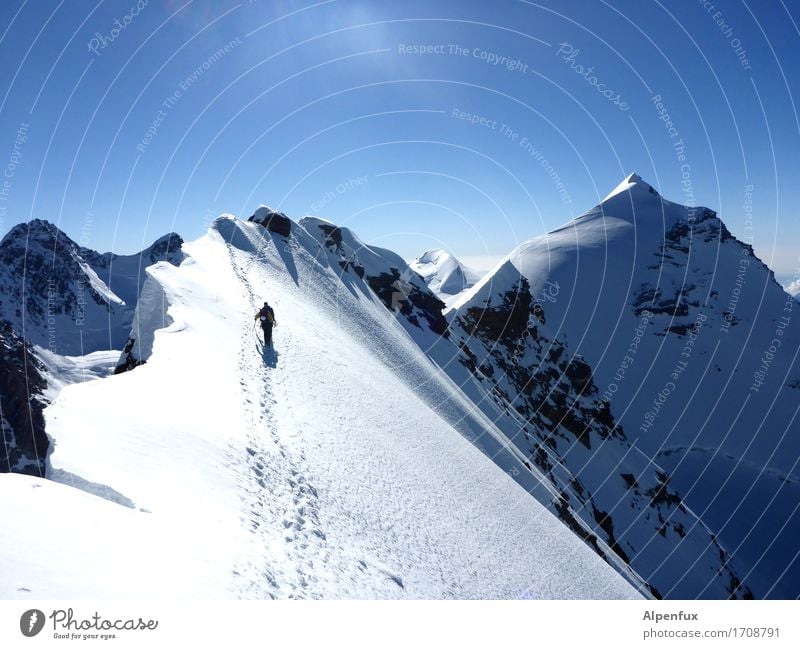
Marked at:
<point>57,300</point>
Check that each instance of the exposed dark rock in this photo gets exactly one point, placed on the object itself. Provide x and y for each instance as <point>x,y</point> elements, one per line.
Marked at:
<point>660,493</point>
<point>538,313</point>
<point>399,295</point>
<point>565,514</point>
<point>630,480</point>
<point>606,523</point>
<point>356,268</point>
<point>579,373</point>
<point>333,236</point>
<point>504,323</point>
<point>273,221</point>
<point>45,265</point>
<point>128,361</point>
<point>165,248</point>
<point>21,387</point>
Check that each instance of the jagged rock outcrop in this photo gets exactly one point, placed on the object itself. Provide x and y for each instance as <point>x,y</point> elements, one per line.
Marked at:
<point>25,444</point>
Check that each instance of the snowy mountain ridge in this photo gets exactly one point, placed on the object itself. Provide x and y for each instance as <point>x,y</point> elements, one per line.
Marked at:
<point>487,418</point>
<point>276,494</point>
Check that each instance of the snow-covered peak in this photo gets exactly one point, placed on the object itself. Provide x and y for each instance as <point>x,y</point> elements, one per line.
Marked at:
<point>170,240</point>
<point>661,298</point>
<point>433,256</point>
<point>635,202</point>
<point>444,274</point>
<point>344,242</point>
<point>166,248</point>
<point>633,184</point>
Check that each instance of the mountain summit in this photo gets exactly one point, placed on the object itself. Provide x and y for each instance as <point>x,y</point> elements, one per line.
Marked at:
<point>635,186</point>
<point>445,275</point>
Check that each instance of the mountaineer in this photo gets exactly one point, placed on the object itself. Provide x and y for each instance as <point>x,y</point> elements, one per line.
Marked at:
<point>267,317</point>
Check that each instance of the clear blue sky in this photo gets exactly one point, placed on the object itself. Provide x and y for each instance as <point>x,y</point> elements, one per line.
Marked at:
<point>324,108</point>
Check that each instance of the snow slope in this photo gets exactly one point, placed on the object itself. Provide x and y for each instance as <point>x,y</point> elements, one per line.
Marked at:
<point>318,469</point>
<point>694,345</point>
<point>79,545</point>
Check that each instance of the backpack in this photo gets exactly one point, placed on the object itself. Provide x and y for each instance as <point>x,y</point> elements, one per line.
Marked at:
<point>267,315</point>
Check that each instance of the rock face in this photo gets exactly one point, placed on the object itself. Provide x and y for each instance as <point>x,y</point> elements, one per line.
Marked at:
<point>391,279</point>
<point>274,221</point>
<point>25,444</point>
<point>603,488</point>
<point>50,294</point>
<point>692,343</point>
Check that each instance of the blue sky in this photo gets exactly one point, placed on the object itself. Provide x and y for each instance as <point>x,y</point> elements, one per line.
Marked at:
<point>460,124</point>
